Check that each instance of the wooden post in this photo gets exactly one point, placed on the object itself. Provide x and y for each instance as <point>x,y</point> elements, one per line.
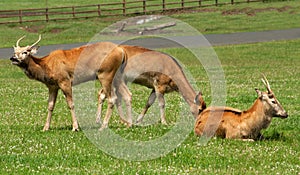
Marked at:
<point>216,2</point>
<point>144,6</point>
<point>164,5</point>
<point>73,11</point>
<point>124,7</point>
<point>232,2</point>
<point>182,4</point>
<point>47,15</point>
<point>20,16</point>
<point>99,10</point>
<point>200,3</point>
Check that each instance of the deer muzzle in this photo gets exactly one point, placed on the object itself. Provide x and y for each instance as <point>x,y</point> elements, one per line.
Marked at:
<point>282,115</point>
<point>14,60</point>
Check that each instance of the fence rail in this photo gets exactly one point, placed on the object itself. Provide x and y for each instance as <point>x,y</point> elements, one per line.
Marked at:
<point>126,7</point>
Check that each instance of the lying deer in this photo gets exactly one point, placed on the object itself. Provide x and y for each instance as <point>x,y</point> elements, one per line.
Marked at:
<point>56,70</point>
<point>157,71</point>
<point>235,124</point>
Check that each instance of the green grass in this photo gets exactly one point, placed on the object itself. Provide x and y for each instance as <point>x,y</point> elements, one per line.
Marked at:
<point>263,16</point>
<point>23,4</point>
<point>27,150</point>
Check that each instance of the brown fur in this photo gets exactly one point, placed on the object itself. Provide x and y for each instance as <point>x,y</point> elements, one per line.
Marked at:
<point>157,71</point>
<point>56,70</point>
<point>235,124</point>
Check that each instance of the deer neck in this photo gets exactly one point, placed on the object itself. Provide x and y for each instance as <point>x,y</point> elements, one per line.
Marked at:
<point>258,115</point>
<point>188,93</point>
<point>34,69</point>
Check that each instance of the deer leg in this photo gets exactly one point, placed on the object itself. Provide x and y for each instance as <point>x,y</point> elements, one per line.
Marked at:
<point>108,114</point>
<point>161,103</point>
<point>124,93</point>
<point>106,76</point>
<point>119,107</point>
<point>51,103</point>
<point>117,81</point>
<point>234,133</point>
<point>101,99</point>
<point>248,140</point>
<point>111,97</point>
<point>149,103</point>
<point>67,90</point>
<point>110,106</point>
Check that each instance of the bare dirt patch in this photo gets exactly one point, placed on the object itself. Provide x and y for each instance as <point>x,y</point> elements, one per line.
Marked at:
<point>180,11</point>
<point>39,29</point>
<point>253,11</point>
<point>56,30</point>
<point>237,11</point>
<point>32,29</point>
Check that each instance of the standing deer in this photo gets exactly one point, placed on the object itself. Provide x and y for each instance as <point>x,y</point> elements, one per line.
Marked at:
<point>246,125</point>
<point>56,70</point>
<point>157,71</point>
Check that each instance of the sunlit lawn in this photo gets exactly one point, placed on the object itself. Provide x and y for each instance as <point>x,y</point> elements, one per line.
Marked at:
<point>25,149</point>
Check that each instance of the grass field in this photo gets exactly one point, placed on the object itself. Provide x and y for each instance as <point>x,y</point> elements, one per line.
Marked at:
<point>27,150</point>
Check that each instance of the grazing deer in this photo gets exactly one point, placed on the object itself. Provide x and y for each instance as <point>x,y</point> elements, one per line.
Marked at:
<point>157,71</point>
<point>235,124</point>
<point>56,70</point>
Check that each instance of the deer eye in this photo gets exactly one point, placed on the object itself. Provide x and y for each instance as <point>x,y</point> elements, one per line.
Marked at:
<point>25,53</point>
<point>274,102</point>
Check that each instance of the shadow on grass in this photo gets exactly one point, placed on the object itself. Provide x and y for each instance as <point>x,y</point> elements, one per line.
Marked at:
<point>273,136</point>
<point>61,128</point>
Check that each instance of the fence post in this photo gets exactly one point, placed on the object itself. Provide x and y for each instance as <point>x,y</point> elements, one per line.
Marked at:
<point>99,10</point>
<point>144,6</point>
<point>47,15</point>
<point>73,11</point>
<point>182,4</point>
<point>20,16</point>
<point>216,2</point>
<point>200,3</point>
<point>164,5</point>
<point>124,7</point>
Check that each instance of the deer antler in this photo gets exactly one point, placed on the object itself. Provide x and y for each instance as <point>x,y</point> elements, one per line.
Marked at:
<point>40,37</point>
<point>266,83</point>
<point>17,44</point>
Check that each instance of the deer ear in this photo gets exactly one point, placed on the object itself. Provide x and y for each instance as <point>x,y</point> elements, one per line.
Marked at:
<point>197,98</point>
<point>34,50</point>
<point>259,93</point>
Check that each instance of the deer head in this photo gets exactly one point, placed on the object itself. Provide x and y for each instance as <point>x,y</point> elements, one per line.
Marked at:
<point>270,101</point>
<point>22,53</point>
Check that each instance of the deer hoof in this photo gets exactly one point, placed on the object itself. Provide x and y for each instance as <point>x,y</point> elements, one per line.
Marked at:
<point>46,128</point>
<point>164,122</point>
<point>75,128</point>
<point>103,127</point>
<point>248,140</point>
<point>129,125</point>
